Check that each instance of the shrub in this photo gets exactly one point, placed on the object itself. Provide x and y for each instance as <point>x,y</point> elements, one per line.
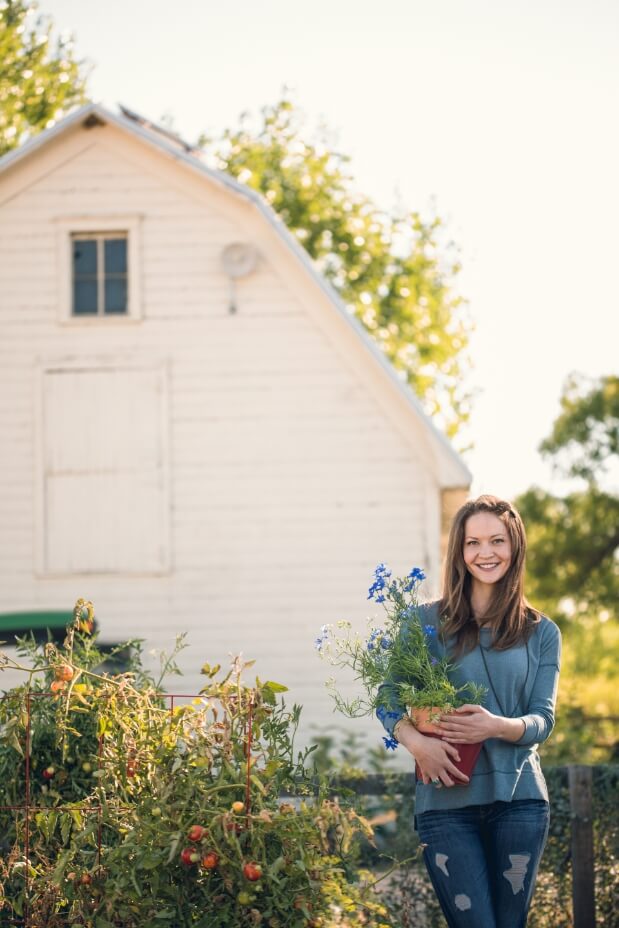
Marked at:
<point>147,814</point>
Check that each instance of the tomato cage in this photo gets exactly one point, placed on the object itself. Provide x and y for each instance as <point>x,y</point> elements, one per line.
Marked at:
<point>31,814</point>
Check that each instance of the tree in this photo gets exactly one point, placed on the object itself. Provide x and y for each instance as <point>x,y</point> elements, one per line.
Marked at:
<point>38,81</point>
<point>573,566</point>
<point>573,571</point>
<point>392,271</point>
<point>585,437</point>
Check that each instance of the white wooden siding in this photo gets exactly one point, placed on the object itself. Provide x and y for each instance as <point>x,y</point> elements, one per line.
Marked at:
<point>289,481</point>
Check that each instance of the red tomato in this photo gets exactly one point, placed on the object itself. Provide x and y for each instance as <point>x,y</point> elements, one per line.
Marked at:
<point>189,856</point>
<point>252,872</point>
<point>210,860</point>
<point>85,879</point>
<point>64,672</point>
<point>196,833</point>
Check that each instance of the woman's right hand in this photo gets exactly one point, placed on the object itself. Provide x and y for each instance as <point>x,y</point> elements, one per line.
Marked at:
<point>435,756</point>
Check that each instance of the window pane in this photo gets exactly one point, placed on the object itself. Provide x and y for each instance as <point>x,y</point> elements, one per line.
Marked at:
<point>84,297</point>
<point>84,256</point>
<point>116,256</point>
<point>115,294</point>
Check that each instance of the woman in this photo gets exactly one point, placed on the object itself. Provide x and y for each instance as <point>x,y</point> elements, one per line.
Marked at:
<point>483,837</point>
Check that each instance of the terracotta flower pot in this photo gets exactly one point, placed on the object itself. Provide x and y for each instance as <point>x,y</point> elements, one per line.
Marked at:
<point>421,719</point>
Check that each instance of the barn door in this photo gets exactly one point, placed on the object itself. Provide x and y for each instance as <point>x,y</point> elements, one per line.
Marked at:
<point>104,475</point>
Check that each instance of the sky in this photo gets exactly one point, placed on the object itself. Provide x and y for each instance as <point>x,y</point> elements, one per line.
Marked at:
<point>501,116</point>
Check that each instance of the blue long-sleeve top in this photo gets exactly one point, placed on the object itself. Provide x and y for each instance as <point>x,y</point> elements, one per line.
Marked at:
<point>525,680</point>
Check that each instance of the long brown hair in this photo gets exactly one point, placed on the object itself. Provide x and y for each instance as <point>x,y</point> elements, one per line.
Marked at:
<point>510,615</point>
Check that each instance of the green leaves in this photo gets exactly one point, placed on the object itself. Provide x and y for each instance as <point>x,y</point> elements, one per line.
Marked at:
<point>573,539</point>
<point>46,823</point>
<point>38,79</point>
<point>269,691</point>
<point>584,441</point>
<point>572,572</point>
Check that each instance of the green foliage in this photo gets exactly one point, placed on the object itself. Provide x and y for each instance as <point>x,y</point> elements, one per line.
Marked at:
<point>573,569</point>
<point>393,271</point>
<point>585,437</point>
<point>111,761</point>
<point>38,81</point>
<point>552,901</point>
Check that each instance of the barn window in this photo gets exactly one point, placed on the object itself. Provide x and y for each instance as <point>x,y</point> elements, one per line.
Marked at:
<point>100,274</point>
<point>99,261</point>
<point>103,484</point>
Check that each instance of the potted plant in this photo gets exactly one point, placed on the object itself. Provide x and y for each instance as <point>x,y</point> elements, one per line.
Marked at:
<point>397,662</point>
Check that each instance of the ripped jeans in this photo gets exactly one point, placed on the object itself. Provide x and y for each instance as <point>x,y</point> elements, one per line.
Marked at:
<point>483,860</point>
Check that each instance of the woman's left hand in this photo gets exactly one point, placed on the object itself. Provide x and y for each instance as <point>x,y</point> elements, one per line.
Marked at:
<point>469,724</point>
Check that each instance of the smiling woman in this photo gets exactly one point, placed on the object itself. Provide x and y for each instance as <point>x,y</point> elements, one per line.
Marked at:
<point>487,551</point>
<point>483,842</point>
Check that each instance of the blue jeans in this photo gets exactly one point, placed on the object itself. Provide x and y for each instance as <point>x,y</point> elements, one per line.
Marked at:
<point>483,860</point>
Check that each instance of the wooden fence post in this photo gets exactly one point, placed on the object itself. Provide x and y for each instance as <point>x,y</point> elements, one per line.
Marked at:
<point>583,869</point>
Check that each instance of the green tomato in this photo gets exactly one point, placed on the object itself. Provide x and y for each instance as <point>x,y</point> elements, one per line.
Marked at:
<point>244,898</point>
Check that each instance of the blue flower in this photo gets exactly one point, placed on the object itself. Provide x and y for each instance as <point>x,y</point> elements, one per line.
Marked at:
<point>417,574</point>
<point>324,636</point>
<point>382,571</point>
<point>391,744</point>
<point>434,661</point>
<point>429,631</point>
<point>414,577</point>
<point>380,581</point>
<point>380,599</point>
<point>377,638</point>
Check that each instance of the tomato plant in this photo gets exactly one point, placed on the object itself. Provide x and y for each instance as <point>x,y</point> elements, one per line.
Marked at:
<point>64,673</point>
<point>252,871</point>
<point>139,815</point>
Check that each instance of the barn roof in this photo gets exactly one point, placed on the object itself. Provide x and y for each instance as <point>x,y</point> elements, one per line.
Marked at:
<point>452,470</point>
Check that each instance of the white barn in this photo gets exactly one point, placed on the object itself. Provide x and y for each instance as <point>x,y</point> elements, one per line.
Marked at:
<point>233,474</point>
